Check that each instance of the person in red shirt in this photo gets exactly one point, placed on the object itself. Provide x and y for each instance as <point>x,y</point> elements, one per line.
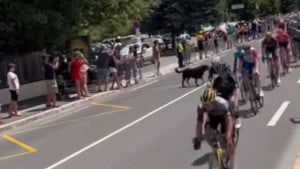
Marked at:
<point>78,68</point>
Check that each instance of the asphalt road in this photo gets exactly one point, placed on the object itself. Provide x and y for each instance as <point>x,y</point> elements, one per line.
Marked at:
<point>152,128</point>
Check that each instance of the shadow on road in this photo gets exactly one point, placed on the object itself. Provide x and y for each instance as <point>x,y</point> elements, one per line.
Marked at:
<point>295,120</point>
<point>267,88</point>
<point>202,160</point>
<point>295,66</point>
<point>246,114</point>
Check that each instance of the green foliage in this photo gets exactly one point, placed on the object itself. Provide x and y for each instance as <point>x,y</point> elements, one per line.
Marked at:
<point>288,6</point>
<point>29,25</point>
<point>178,15</point>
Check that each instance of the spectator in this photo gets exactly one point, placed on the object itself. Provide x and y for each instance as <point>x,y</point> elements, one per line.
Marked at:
<point>14,87</point>
<point>78,68</point>
<point>200,42</point>
<point>102,65</point>
<point>51,64</point>
<point>112,64</point>
<point>215,40</point>
<point>180,53</point>
<point>121,67</point>
<point>156,57</point>
<point>138,60</point>
<point>131,66</point>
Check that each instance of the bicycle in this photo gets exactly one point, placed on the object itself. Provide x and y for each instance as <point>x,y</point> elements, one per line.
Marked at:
<point>248,86</point>
<point>273,75</point>
<point>219,158</point>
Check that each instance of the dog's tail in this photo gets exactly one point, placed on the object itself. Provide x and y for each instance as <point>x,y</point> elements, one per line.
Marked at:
<point>177,70</point>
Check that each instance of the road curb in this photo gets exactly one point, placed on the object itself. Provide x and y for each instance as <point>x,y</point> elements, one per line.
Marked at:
<point>67,107</point>
<point>72,105</point>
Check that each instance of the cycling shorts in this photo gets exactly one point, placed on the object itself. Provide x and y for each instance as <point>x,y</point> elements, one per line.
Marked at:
<point>271,53</point>
<point>215,121</point>
<point>283,44</point>
<point>248,67</point>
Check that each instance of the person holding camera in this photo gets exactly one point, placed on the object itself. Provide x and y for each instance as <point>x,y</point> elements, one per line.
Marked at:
<point>50,64</point>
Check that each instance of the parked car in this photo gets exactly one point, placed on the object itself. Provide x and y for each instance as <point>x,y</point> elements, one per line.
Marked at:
<point>145,50</point>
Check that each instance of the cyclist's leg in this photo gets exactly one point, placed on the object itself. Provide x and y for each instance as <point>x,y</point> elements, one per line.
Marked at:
<point>275,62</point>
<point>287,56</point>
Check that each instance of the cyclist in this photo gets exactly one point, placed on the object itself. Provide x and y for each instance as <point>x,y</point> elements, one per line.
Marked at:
<point>269,47</point>
<point>225,85</point>
<point>217,109</point>
<point>249,65</point>
<point>283,42</point>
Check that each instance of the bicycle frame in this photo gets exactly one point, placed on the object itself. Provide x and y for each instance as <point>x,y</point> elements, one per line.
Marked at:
<point>272,70</point>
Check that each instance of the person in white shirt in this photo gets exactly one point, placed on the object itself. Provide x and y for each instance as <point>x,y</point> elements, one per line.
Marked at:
<point>14,87</point>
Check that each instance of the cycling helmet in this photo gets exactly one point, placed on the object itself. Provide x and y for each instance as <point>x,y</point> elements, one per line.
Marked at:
<point>208,96</point>
<point>221,68</point>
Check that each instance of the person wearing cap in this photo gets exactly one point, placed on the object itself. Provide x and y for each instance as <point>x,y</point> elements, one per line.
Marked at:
<point>14,87</point>
<point>50,64</point>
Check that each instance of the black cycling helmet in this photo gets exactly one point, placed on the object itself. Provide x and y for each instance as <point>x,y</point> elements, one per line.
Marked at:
<point>221,67</point>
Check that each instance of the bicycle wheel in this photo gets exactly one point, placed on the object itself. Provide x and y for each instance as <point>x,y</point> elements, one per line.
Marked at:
<point>254,99</point>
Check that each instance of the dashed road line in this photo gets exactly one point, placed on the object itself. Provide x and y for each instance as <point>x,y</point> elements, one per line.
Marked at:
<point>278,114</point>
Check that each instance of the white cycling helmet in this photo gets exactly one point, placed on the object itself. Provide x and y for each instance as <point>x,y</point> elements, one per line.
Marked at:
<point>216,59</point>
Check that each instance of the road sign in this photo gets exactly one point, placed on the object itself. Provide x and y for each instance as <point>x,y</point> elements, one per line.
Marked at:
<point>237,6</point>
<point>136,24</point>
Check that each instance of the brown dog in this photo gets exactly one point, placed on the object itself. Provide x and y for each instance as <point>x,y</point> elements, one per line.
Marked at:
<point>196,73</point>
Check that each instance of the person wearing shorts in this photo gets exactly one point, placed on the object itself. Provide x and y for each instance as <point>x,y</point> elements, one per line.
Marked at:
<point>156,57</point>
<point>103,67</point>
<point>50,65</point>
<point>14,87</point>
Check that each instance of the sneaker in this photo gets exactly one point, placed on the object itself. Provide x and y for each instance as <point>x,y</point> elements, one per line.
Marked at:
<point>278,80</point>
<point>289,70</point>
<point>238,123</point>
<point>261,93</point>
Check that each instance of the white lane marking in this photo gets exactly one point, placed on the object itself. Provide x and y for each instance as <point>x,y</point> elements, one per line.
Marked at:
<point>278,114</point>
<point>145,85</point>
<point>121,129</point>
<point>298,81</point>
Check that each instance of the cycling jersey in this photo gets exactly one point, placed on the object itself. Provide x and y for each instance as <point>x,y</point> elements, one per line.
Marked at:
<point>249,61</point>
<point>282,38</point>
<point>237,56</point>
<point>217,112</point>
<point>270,45</point>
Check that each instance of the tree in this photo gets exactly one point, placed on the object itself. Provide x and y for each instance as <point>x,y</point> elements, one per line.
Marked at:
<point>27,25</point>
<point>287,6</point>
<point>176,16</point>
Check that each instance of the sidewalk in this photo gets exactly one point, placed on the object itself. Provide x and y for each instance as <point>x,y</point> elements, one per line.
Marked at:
<point>34,109</point>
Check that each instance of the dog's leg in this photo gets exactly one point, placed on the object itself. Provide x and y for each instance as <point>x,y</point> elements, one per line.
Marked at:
<point>182,83</point>
<point>187,81</point>
<point>196,81</point>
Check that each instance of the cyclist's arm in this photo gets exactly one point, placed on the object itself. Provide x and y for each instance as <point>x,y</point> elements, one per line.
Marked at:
<point>200,117</point>
<point>229,126</point>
